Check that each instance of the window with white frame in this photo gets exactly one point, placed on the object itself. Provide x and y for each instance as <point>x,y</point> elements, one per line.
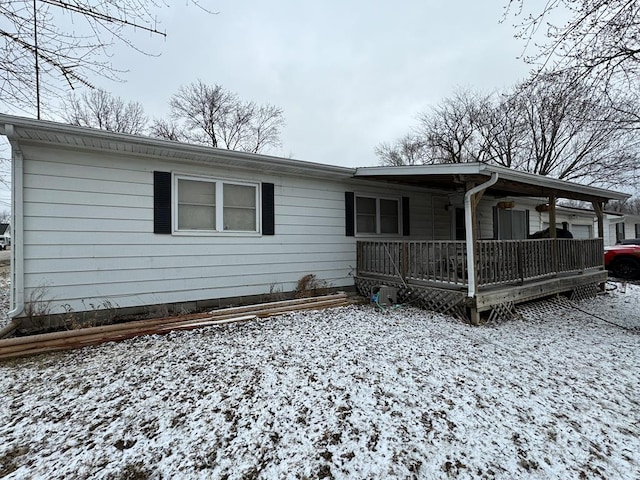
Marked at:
<point>376,215</point>
<point>211,205</point>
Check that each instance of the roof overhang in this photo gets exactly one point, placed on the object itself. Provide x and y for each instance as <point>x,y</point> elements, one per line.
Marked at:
<point>510,182</point>
<point>27,131</point>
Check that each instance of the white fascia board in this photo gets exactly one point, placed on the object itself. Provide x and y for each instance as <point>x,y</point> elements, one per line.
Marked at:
<point>436,169</point>
<point>94,138</point>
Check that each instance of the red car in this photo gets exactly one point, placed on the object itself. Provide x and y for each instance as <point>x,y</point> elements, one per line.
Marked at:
<point>623,260</point>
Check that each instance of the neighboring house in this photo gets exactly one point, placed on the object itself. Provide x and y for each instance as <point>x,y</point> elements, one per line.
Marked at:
<point>620,226</point>
<point>104,220</point>
<point>5,235</point>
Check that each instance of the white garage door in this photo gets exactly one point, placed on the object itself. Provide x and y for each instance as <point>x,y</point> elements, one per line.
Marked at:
<point>581,231</point>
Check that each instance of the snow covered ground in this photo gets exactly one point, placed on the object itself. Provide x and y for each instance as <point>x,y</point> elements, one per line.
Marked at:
<point>344,393</point>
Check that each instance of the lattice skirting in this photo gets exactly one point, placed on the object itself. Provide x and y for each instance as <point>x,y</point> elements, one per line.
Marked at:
<point>454,303</point>
<point>448,302</point>
<point>584,292</point>
<point>503,312</point>
<point>551,306</point>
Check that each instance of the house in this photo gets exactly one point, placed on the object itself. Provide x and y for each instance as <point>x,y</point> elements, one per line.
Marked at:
<point>620,226</point>
<point>116,222</point>
<point>5,235</point>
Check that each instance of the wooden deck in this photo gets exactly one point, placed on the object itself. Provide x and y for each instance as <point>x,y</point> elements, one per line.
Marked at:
<point>507,272</point>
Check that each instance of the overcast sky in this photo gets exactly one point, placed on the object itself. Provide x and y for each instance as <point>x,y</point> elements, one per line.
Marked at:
<point>348,75</point>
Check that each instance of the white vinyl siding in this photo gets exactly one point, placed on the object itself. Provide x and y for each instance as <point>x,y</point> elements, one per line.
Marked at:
<point>89,238</point>
<point>89,241</point>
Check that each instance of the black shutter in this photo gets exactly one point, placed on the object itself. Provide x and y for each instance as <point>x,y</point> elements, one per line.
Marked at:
<point>527,230</point>
<point>406,217</point>
<point>496,224</point>
<point>162,202</point>
<point>268,209</point>
<point>349,204</point>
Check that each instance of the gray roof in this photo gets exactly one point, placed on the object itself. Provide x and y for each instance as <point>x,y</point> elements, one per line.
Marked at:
<point>510,182</point>
<point>31,131</point>
<point>446,177</point>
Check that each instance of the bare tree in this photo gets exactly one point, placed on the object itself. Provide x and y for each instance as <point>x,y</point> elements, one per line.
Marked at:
<point>447,133</point>
<point>211,115</point>
<point>631,206</point>
<point>411,149</point>
<point>51,46</point>
<point>501,128</point>
<point>167,129</point>
<point>600,39</point>
<point>572,133</point>
<point>451,131</point>
<point>99,109</point>
<point>552,125</point>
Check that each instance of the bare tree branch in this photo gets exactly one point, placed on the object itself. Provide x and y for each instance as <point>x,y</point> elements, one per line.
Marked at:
<point>75,40</point>
<point>553,125</point>
<point>595,39</point>
<point>99,109</point>
<point>211,115</point>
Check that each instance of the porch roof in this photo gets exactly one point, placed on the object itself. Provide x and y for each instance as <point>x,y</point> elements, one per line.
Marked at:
<point>510,182</point>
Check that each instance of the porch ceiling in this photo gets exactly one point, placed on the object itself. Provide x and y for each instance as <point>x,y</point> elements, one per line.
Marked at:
<point>510,182</point>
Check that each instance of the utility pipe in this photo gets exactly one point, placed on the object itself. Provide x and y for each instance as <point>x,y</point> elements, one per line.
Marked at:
<point>468,225</point>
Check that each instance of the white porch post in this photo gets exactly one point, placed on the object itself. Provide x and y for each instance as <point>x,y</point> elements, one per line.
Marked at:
<point>470,203</point>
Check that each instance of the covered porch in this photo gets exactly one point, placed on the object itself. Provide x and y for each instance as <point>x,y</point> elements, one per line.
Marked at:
<point>474,275</point>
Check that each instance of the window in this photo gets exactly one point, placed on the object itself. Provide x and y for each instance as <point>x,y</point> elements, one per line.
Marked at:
<point>209,205</point>
<point>512,224</point>
<point>620,232</point>
<point>637,230</point>
<point>377,215</point>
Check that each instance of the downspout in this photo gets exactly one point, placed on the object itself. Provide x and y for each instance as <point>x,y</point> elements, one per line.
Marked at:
<point>17,232</point>
<point>468,225</point>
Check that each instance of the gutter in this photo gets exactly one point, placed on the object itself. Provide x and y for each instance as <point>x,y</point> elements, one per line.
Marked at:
<point>468,225</point>
<point>17,230</point>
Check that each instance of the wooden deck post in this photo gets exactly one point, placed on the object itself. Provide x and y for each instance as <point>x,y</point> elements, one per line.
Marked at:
<point>404,261</point>
<point>598,208</point>
<point>553,234</point>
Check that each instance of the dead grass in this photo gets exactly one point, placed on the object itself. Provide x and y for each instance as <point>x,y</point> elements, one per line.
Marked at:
<point>311,286</point>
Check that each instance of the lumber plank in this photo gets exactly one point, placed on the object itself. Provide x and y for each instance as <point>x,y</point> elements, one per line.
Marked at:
<point>156,321</point>
<point>45,343</point>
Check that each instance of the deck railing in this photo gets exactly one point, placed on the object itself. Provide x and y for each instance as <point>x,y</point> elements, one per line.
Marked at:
<point>497,261</point>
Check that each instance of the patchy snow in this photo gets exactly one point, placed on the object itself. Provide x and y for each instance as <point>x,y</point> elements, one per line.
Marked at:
<point>344,393</point>
<point>5,295</point>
